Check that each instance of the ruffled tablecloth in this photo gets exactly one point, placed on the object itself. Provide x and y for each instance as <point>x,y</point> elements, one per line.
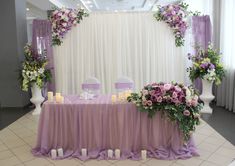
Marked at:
<point>99,125</point>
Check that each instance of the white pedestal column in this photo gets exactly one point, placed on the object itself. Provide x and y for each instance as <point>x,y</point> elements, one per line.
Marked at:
<point>36,99</point>
<point>206,96</point>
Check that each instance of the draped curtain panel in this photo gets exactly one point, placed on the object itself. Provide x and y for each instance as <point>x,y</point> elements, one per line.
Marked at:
<point>41,40</point>
<point>226,91</point>
<point>202,34</point>
<point>110,45</point>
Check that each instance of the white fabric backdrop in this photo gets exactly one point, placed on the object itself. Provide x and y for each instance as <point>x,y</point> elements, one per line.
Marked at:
<point>109,45</point>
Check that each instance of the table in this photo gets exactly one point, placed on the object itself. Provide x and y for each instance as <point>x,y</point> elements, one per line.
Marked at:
<point>99,124</point>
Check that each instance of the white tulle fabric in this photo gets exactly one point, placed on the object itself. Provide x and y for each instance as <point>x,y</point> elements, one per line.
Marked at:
<point>109,45</point>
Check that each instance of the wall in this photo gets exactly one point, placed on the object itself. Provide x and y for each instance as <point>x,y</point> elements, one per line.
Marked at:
<point>13,38</point>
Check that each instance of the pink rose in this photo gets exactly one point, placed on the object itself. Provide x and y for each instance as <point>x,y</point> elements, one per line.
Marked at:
<point>159,99</point>
<point>145,92</point>
<point>177,88</point>
<point>186,113</point>
<point>150,103</point>
<point>144,102</point>
<point>174,95</point>
<point>194,102</point>
<point>167,86</point>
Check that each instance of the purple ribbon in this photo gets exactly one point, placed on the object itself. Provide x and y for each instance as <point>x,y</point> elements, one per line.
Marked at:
<point>94,86</point>
<point>120,85</point>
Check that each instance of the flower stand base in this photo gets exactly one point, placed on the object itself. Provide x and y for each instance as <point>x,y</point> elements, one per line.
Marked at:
<point>36,99</point>
<point>207,96</point>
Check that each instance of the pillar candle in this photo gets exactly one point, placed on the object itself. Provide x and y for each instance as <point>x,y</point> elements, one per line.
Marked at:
<point>84,152</point>
<point>117,153</point>
<point>110,153</point>
<point>50,96</point>
<point>61,99</point>
<point>53,154</point>
<point>114,98</point>
<point>57,94</point>
<point>60,152</point>
<point>58,99</point>
<point>143,154</point>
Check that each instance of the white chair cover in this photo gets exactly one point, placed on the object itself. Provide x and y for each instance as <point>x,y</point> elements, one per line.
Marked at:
<point>92,85</point>
<point>124,83</point>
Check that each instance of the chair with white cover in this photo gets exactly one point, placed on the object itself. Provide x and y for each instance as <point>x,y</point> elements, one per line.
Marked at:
<point>123,84</point>
<point>91,85</point>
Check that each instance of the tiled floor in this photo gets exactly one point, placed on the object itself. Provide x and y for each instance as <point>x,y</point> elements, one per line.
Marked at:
<point>17,140</point>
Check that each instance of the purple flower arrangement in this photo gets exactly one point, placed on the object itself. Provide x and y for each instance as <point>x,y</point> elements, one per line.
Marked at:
<point>178,102</point>
<point>63,20</point>
<point>175,16</point>
<point>206,64</point>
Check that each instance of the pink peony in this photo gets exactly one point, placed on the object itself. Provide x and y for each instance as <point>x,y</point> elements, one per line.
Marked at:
<point>186,112</point>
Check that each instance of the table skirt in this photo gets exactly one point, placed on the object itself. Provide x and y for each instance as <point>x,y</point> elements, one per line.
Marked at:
<point>99,127</point>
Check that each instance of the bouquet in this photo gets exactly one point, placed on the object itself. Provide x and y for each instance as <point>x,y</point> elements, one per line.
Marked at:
<point>63,20</point>
<point>175,16</point>
<point>33,69</point>
<point>206,65</point>
<point>178,102</point>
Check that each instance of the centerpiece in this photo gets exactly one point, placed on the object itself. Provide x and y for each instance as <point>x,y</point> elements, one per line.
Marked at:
<point>34,74</point>
<point>178,102</point>
<point>206,65</point>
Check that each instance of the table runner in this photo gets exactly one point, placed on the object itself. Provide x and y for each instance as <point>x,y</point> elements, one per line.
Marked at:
<point>99,125</point>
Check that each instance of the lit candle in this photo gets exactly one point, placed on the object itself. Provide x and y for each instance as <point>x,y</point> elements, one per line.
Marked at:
<point>53,154</point>
<point>114,98</point>
<point>61,99</point>
<point>60,152</point>
<point>57,94</point>
<point>143,154</point>
<point>110,153</point>
<point>50,96</point>
<point>84,152</point>
<point>58,99</point>
<point>117,153</point>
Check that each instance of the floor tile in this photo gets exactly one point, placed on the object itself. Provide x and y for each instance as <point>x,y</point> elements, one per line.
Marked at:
<point>128,163</point>
<point>226,152</point>
<point>10,161</point>
<point>192,162</point>
<point>38,162</point>
<point>154,162</point>
<point>220,160</point>
<point>96,163</point>
<point>207,163</point>
<point>6,154</point>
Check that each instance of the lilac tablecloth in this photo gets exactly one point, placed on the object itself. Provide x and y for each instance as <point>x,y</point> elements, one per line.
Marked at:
<point>99,125</point>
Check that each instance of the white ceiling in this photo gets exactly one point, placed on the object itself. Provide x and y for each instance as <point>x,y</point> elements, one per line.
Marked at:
<point>102,5</point>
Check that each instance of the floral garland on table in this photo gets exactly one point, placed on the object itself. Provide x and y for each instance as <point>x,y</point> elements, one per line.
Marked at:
<point>175,16</point>
<point>178,102</point>
<point>33,69</point>
<point>63,20</point>
<point>206,65</point>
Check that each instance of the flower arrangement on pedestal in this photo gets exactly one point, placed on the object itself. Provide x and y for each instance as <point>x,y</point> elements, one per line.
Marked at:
<point>33,69</point>
<point>178,102</point>
<point>63,20</point>
<point>175,16</point>
<point>206,65</point>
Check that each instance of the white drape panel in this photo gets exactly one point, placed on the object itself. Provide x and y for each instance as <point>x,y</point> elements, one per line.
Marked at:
<point>226,91</point>
<point>110,45</point>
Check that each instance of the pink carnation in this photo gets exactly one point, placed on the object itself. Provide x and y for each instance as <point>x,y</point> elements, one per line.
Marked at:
<point>186,112</point>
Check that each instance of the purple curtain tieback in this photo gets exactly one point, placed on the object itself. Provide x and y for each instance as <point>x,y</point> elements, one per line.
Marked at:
<point>124,85</point>
<point>91,86</point>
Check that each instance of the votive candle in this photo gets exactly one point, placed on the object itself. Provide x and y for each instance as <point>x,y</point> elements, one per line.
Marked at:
<point>58,99</point>
<point>53,154</point>
<point>117,153</point>
<point>143,154</point>
<point>60,152</point>
<point>50,96</point>
<point>84,152</point>
<point>110,153</point>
